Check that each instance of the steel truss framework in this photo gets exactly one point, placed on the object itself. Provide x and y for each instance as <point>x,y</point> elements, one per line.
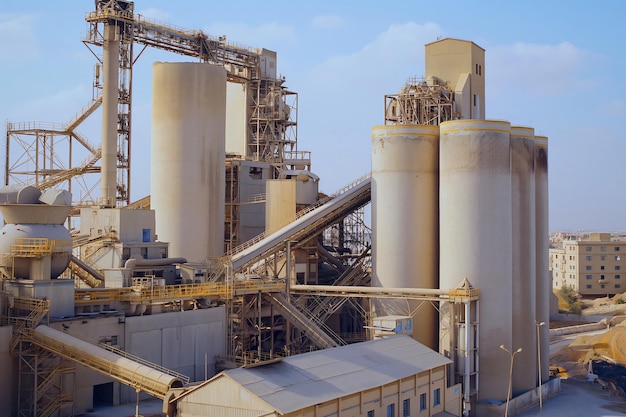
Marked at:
<point>420,102</point>
<point>273,108</point>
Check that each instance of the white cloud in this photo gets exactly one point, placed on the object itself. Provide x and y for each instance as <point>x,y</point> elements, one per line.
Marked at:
<point>614,108</point>
<point>266,35</point>
<point>152,13</point>
<point>327,21</point>
<point>59,107</point>
<point>344,98</point>
<point>19,43</point>
<point>393,56</point>
<point>536,69</point>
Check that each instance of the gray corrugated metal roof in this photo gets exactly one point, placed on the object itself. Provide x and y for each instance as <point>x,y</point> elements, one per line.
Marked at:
<point>311,378</point>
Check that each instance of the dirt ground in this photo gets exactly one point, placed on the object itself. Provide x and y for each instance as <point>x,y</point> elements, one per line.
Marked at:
<point>606,351</point>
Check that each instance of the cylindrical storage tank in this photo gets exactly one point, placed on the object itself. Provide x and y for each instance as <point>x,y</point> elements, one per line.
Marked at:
<point>39,232</point>
<point>475,234</point>
<point>280,204</point>
<point>405,162</point>
<point>306,189</point>
<point>187,164</point>
<point>524,255</point>
<point>543,286</point>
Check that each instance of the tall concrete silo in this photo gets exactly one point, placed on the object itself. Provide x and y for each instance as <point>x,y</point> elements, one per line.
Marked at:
<point>543,286</point>
<point>405,162</point>
<point>187,166</point>
<point>524,256</point>
<point>475,234</point>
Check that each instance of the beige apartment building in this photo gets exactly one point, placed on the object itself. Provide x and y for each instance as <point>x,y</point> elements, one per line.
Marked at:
<point>592,266</point>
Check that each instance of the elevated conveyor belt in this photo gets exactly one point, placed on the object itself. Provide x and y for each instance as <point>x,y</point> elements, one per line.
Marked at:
<point>139,374</point>
<point>307,225</point>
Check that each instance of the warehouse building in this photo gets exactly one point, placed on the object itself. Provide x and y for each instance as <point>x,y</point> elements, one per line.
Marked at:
<point>393,376</point>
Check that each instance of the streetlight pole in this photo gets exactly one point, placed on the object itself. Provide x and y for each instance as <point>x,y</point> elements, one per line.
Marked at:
<point>538,325</point>
<point>508,395</point>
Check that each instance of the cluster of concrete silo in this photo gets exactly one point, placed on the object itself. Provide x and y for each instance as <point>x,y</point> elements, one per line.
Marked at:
<point>468,199</point>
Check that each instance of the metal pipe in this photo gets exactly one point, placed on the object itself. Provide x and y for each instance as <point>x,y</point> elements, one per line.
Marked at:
<point>466,377</point>
<point>110,93</point>
<point>369,290</point>
<point>539,366</point>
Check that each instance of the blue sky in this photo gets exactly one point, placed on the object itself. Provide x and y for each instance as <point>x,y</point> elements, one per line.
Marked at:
<point>557,66</point>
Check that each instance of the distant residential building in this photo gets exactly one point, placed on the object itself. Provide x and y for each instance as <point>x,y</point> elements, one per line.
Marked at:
<point>591,266</point>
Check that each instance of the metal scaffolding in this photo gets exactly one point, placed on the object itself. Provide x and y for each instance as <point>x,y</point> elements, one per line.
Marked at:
<point>272,126</point>
<point>422,102</point>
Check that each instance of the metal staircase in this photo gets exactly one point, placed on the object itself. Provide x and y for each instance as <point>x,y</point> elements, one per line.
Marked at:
<point>316,331</point>
<point>86,273</point>
<point>45,382</point>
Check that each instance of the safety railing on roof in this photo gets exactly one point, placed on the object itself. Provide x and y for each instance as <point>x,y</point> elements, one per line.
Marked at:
<point>27,247</point>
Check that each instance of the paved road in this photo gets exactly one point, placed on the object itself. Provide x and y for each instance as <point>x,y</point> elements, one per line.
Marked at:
<point>580,399</point>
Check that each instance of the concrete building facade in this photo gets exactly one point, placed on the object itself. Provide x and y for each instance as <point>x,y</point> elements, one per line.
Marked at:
<point>591,266</point>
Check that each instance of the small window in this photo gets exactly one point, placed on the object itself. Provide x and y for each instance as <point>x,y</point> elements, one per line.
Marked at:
<point>618,285</point>
<point>617,249</point>
<point>406,408</point>
<point>255,173</point>
<point>601,277</point>
<point>422,402</point>
<point>588,248</point>
<point>588,276</point>
<point>475,99</point>
<point>601,285</point>
<point>436,397</point>
<point>391,410</point>
<point>602,248</point>
<point>618,276</point>
<point>588,267</point>
<point>617,267</point>
<point>603,258</point>
<point>370,413</point>
<point>588,286</point>
<point>588,257</point>
<point>617,258</point>
<point>601,267</point>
